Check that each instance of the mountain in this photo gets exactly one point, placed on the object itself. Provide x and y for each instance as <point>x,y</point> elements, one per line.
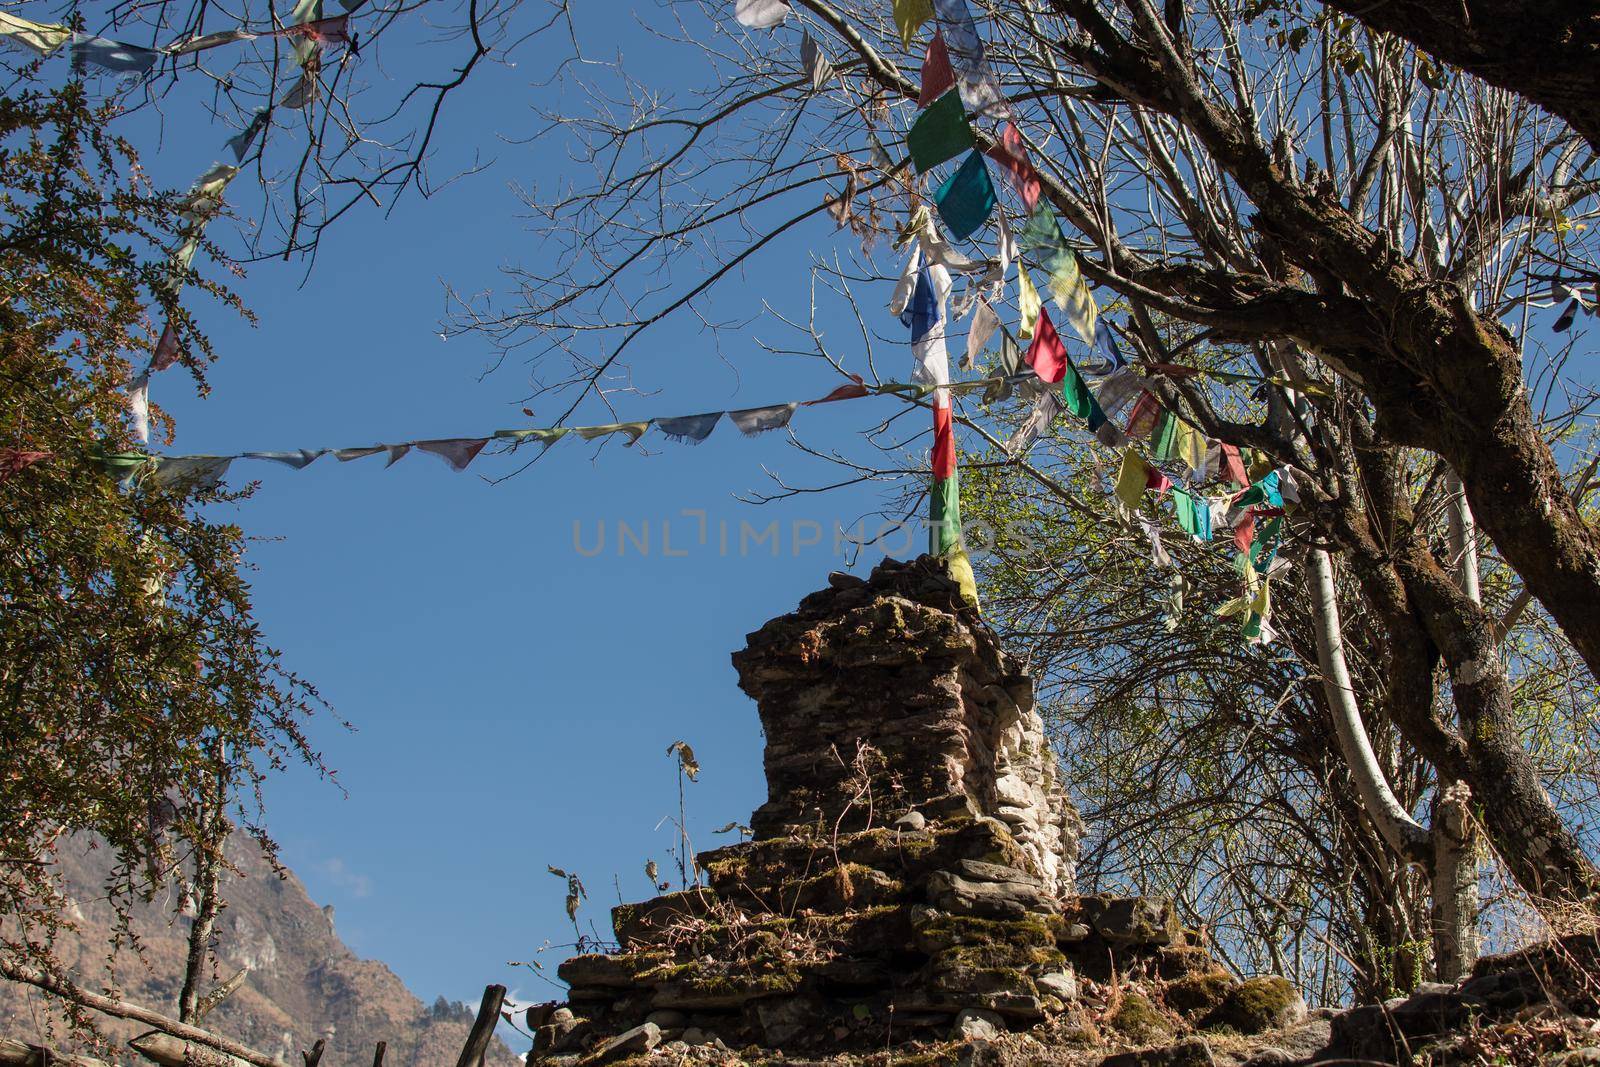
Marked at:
<point>304,983</point>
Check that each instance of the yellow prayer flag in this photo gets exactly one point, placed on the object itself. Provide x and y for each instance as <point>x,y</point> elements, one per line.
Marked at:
<point>959,567</point>
<point>1072,295</point>
<point>1190,446</point>
<point>40,37</point>
<point>1132,479</point>
<point>909,15</point>
<point>1028,303</point>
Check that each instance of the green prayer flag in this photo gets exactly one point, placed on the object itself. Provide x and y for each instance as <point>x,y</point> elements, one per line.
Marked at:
<point>1183,504</point>
<point>944,515</point>
<point>940,133</point>
<point>966,199</point>
<point>1040,231</point>
<point>1165,436</point>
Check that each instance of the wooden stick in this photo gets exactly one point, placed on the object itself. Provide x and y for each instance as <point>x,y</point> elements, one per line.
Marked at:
<point>314,1057</point>
<point>483,1027</point>
<point>107,1006</point>
<point>18,1054</point>
<point>377,1057</point>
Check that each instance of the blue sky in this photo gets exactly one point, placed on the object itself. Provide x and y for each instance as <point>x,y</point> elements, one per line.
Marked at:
<point>513,699</point>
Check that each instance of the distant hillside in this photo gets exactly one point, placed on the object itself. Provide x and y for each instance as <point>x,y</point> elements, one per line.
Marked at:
<point>304,983</point>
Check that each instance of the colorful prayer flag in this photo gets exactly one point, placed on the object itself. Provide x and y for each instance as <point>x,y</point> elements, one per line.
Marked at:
<point>1028,303</point>
<point>966,198</point>
<point>937,77</point>
<point>40,38</point>
<point>758,14</point>
<point>1047,355</point>
<point>909,15</point>
<point>978,87</point>
<point>940,133</point>
<point>753,421</point>
<point>1131,479</point>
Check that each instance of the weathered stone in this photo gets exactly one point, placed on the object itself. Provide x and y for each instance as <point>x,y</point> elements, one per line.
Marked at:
<point>784,1019</point>
<point>1190,1052</point>
<point>1199,994</point>
<point>975,1024</point>
<point>668,1019</point>
<point>591,970</point>
<point>641,1038</point>
<point>999,900</point>
<point>911,822</point>
<point>1257,1004</point>
<point>1130,920</point>
<point>1062,984</point>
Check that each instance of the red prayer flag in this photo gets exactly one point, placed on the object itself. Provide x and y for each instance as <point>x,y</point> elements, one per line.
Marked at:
<point>1156,481</point>
<point>1142,419</point>
<point>1047,355</point>
<point>1233,466</point>
<point>944,443</point>
<point>1012,156</point>
<point>166,353</point>
<point>937,75</point>
<point>1245,532</point>
<point>13,460</point>
<point>844,392</point>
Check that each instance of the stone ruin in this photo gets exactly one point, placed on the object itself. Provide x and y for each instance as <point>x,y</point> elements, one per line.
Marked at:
<point>908,893</point>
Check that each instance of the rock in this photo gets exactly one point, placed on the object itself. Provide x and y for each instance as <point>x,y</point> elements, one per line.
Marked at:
<point>539,1014</point>
<point>1191,1052</point>
<point>1063,984</point>
<point>668,1019</point>
<point>594,970</point>
<point>1257,1004</point>
<point>911,822</point>
<point>782,1020</point>
<point>1131,920</point>
<point>695,1036</point>
<point>1138,1018</point>
<point>974,1024</point>
<point>997,900</point>
<point>843,580</point>
<point>640,1039</point>
<point>558,1025</point>
<point>1197,995</point>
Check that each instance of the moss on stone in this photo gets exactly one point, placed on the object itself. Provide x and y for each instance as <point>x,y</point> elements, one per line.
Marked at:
<point>1138,1019</point>
<point>1197,994</point>
<point>1256,1004</point>
<point>946,931</point>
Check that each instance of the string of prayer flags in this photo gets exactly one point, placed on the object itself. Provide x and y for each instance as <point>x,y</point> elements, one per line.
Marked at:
<point>40,38</point>
<point>940,133</point>
<point>909,15</point>
<point>816,64</point>
<point>937,76</point>
<point>966,198</point>
<point>757,14</point>
<point>977,84</point>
